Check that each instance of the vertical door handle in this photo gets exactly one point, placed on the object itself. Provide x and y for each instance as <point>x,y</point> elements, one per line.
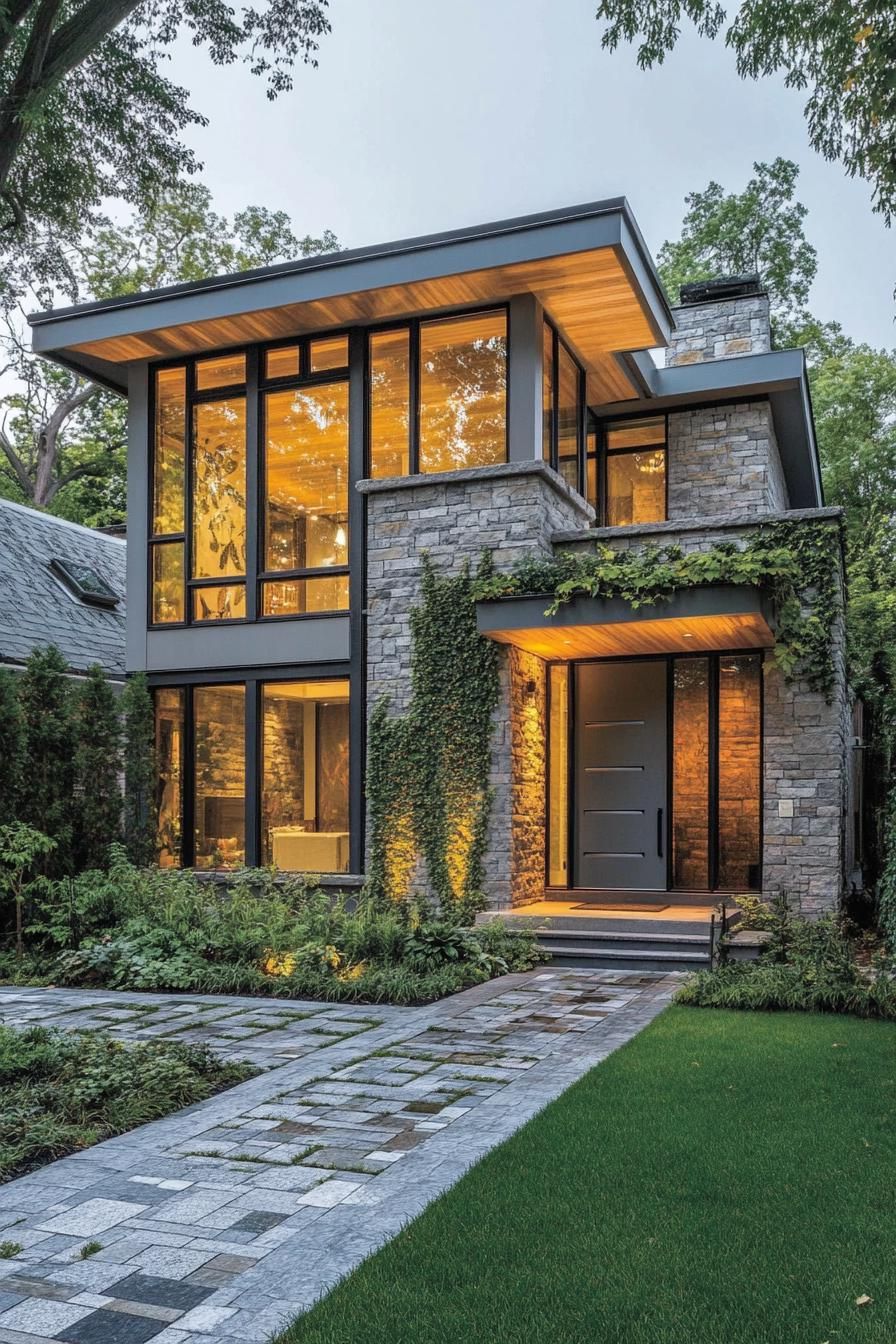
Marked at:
<point>659,832</point>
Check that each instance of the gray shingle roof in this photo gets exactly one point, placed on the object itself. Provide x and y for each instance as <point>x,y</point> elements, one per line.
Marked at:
<point>37,609</point>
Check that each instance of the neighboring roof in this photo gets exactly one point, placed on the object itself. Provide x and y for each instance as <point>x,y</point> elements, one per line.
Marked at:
<point>779,375</point>
<point>36,607</point>
<point>481,264</point>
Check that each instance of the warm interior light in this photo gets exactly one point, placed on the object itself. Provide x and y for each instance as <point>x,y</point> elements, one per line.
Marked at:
<point>340,537</point>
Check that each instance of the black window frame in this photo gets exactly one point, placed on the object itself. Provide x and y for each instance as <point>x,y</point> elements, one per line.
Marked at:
<point>253,391</point>
<point>558,344</point>
<point>412,327</point>
<point>603,452</point>
<point>252,682</point>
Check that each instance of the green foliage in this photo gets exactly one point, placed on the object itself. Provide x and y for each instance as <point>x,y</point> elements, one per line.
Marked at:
<point>806,965</point>
<point>428,770</point>
<point>60,1092</point>
<point>139,771</point>
<point>759,229</point>
<point>155,929</point>
<point>89,1248</point>
<point>63,441</point>
<point>842,54</point>
<point>795,564</point>
<point>46,799</point>
<point>87,113</point>
<point>10,1249</point>
<point>12,735</point>
<point>21,849</point>
<point>97,769</point>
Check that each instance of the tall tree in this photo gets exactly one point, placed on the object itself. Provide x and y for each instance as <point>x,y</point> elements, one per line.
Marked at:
<point>63,439</point>
<point>735,233</point>
<point>47,794</point>
<point>97,765</point>
<point>139,772</point>
<point>87,114</point>
<point>842,52</point>
<point>12,736</point>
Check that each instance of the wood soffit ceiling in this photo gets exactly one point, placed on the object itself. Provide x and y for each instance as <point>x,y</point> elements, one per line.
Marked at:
<point>693,634</point>
<point>588,294</point>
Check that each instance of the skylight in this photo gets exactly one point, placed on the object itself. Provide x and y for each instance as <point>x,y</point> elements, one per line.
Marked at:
<point>85,583</point>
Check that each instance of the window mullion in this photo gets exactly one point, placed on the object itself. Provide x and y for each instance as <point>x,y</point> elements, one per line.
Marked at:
<point>254,520</point>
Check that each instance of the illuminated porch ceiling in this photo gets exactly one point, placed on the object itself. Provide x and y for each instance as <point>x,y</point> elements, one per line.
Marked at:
<point>587,265</point>
<point>695,620</point>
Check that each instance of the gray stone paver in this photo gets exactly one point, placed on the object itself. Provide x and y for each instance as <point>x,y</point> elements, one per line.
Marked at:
<point>226,1220</point>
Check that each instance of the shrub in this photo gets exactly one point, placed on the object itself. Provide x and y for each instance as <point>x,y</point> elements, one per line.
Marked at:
<point>806,965</point>
<point>62,1091</point>
<point>152,929</point>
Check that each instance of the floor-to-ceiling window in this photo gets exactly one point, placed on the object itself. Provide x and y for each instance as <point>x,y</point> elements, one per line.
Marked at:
<point>254,771</point>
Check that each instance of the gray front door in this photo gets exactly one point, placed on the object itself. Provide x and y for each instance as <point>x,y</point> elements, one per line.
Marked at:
<point>620,775</point>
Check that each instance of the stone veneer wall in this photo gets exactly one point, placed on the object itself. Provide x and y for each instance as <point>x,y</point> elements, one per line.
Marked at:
<point>511,510</point>
<point>720,329</point>
<point>806,740</point>
<point>724,460</point>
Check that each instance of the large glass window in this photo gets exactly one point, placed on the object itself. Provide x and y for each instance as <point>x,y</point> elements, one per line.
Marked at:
<point>739,771</point>
<point>563,407</point>
<point>219,489</point>
<point>558,776</point>
<point>463,392</point>
<point>219,776</point>
<point>690,774</point>
<point>168,478</point>
<point>305,782</point>
<point>636,472</point>
<point>306,498</point>
<point>278,748</point>
<point>390,402</point>
<point>169,757</point>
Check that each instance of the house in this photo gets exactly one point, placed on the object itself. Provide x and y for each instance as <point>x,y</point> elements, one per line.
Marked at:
<point>61,584</point>
<point>302,435</point>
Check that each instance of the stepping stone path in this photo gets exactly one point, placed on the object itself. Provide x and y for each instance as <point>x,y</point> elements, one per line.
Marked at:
<point>225,1221</point>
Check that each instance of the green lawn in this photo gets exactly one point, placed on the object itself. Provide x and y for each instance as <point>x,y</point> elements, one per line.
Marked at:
<point>725,1177</point>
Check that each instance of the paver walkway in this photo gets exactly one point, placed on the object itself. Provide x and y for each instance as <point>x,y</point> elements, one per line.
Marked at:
<point>224,1221</point>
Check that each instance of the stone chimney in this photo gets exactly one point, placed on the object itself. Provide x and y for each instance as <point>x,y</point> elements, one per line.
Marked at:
<point>720,319</point>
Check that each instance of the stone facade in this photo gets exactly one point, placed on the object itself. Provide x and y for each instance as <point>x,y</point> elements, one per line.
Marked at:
<point>720,330</point>
<point>724,460</point>
<point>511,511</point>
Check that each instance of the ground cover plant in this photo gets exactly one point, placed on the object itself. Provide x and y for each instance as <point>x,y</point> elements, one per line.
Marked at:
<point>724,1177</point>
<point>61,1092</point>
<point>806,965</point>
<point>155,929</point>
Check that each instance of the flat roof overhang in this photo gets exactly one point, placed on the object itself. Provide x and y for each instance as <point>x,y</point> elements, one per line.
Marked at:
<point>778,376</point>
<point>588,265</point>
<point>717,618</point>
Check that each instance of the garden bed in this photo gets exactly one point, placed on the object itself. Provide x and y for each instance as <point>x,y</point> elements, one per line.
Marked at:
<point>61,1092</point>
<point>281,937</point>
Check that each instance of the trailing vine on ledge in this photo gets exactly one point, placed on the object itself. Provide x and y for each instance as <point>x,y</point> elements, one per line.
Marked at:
<point>796,564</point>
<point>428,769</point>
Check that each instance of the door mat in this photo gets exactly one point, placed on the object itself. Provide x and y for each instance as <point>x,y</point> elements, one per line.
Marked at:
<point>621,909</point>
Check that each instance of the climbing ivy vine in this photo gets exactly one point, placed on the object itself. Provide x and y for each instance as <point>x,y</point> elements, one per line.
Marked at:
<point>796,564</point>
<point>428,769</point>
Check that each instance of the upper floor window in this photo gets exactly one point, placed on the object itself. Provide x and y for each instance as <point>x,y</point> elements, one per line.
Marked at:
<point>626,471</point>
<point>232,427</point>
<point>438,395</point>
<point>563,407</point>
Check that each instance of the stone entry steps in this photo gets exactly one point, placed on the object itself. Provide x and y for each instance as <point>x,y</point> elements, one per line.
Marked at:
<point>613,942</point>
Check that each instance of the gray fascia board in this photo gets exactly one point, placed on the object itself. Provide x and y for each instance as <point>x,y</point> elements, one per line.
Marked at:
<point>531,613</point>
<point>537,237</point>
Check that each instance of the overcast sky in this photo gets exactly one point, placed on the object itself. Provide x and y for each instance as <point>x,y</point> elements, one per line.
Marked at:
<point>425,116</point>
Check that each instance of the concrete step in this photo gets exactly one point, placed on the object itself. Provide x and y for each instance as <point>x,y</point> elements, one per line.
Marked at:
<point>625,959</point>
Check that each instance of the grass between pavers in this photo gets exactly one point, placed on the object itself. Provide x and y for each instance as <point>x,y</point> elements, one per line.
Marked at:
<point>61,1092</point>
<point>725,1178</point>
